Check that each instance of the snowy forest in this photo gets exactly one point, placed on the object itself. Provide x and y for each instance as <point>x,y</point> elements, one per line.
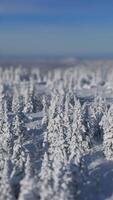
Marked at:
<point>56,133</point>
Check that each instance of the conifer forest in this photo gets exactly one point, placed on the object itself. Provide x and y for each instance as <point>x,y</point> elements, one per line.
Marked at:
<point>56,132</point>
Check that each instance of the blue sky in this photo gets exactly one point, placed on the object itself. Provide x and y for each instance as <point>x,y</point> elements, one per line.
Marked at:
<point>56,27</point>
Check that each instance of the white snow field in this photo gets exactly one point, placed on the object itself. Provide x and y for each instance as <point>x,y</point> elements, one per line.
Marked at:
<point>56,132</point>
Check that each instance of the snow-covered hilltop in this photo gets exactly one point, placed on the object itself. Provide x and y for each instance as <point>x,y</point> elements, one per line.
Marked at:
<point>56,132</point>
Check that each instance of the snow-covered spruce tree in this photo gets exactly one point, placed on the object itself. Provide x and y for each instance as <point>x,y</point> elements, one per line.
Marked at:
<point>67,128</point>
<point>49,131</point>
<point>56,181</point>
<point>69,103</point>
<point>79,143</point>
<point>17,73</point>
<point>25,99</point>
<point>1,101</point>
<point>69,106</point>
<point>15,101</point>
<point>85,108</point>
<point>107,125</point>
<point>57,152</point>
<point>50,81</point>
<point>62,178</point>
<point>96,111</point>
<point>53,105</point>
<point>51,137</point>
<point>19,130</point>
<point>46,180</point>
<point>18,160</point>
<point>6,191</point>
<point>55,136</point>
<point>68,81</point>
<point>55,146</point>
<point>55,132</point>
<point>28,188</point>
<point>61,143</point>
<point>85,117</point>
<point>45,112</point>
<point>19,155</point>
<point>65,182</point>
<point>57,165</point>
<point>28,107</point>
<point>16,127</point>
<point>6,139</point>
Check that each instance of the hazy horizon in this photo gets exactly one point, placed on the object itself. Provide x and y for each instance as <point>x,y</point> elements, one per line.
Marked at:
<point>55,56</point>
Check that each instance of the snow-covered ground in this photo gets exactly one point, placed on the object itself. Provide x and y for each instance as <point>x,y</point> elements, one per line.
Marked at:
<point>99,180</point>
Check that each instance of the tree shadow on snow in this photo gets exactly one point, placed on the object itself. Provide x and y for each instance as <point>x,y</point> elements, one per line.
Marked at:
<point>99,184</point>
